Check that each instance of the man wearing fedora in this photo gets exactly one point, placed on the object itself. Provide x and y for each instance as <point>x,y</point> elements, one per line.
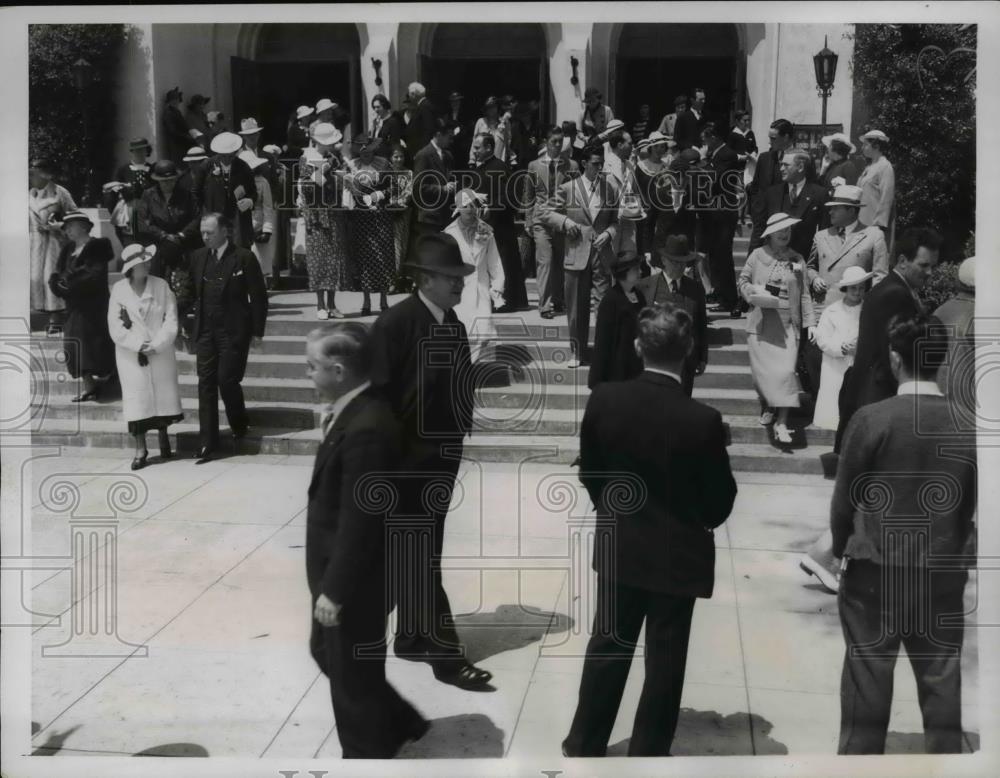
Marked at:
<point>433,183</point>
<point>585,211</point>
<point>871,379</point>
<point>250,131</point>
<point>845,243</point>
<point>654,552</point>
<point>686,129</point>
<point>422,365</point>
<point>230,312</point>
<point>175,127</point>
<point>668,283</point>
<point>228,188</point>
<point>168,217</point>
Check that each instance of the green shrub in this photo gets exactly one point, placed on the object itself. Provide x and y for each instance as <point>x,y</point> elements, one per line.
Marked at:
<point>56,120</point>
<point>920,92</point>
<point>940,287</point>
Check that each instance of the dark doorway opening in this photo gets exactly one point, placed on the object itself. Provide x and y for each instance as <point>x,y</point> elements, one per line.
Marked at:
<point>658,81</point>
<point>477,79</point>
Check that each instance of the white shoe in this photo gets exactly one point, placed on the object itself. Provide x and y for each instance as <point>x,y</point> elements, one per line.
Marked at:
<point>322,314</point>
<point>766,418</point>
<point>782,434</point>
<point>573,363</point>
<point>830,581</point>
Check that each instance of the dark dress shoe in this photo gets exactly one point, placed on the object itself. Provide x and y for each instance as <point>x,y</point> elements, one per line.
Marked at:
<point>93,394</point>
<point>463,675</point>
<point>548,314</point>
<point>204,455</point>
<point>140,462</point>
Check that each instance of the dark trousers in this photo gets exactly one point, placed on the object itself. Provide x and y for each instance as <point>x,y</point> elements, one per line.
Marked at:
<point>424,622</point>
<point>620,612</point>
<point>514,291</point>
<point>718,231</point>
<point>879,609</point>
<point>373,720</point>
<point>812,358</point>
<point>578,283</point>
<point>221,362</point>
<point>549,250</point>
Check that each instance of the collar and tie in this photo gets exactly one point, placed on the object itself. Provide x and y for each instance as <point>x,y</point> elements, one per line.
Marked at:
<point>842,233</point>
<point>327,419</point>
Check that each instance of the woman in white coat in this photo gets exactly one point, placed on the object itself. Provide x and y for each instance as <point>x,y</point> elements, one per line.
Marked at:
<point>142,317</point>
<point>484,288</point>
<point>263,215</point>
<point>837,337</point>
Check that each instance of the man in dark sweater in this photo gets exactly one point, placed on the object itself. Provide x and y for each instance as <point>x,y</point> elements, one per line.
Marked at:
<point>902,515</point>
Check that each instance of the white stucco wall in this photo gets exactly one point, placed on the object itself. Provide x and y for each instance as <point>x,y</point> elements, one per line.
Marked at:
<point>135,95</point>
<point>797,99</point>
<point>182,57</point>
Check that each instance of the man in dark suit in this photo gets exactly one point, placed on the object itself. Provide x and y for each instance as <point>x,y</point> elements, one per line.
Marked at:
<point>685,125</point>
<point>672,254</point>
<point>870,378</point>
<point>422,366</point>
<point>653,549</point>
<point>433,183</point>
<point>908,557</point>
<point>491,177</point>
<point>230,312</point>
<point>462,126</point>
<point>768,170</point>
<point>423,125</point>
<point>228,187</point>
<point>345,546</point>
<point>797,196</point>
<point>718,206</point>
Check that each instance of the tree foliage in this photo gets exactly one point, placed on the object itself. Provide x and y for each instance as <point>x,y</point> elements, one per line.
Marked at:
<point>918,82</point>
<point>56,107</point>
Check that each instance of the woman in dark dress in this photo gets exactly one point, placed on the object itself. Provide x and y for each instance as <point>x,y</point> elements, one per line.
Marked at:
<point>81,279</point>
<point>615,358</point>
<point>168,218</point>
<point>131,180</point>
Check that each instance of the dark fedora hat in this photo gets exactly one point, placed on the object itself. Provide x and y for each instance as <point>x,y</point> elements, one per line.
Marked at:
<point>164,170</point>
<point>624,261</point>
<point>677,249</point>
<point>199,100</point>
<point>593,91</point>
<point>456,96</point>
<point>138,144</point>
<point>439,253</point>
<point>77,216</point>
<point>686,159</point>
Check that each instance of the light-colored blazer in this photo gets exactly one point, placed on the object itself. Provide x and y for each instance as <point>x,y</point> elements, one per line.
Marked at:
<point>878,193</point>
<point>572,204</point>
<point>540,191</point>
<point>829,258</point>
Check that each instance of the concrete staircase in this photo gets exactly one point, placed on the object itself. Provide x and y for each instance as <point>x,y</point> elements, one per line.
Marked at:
<point>536,418</point>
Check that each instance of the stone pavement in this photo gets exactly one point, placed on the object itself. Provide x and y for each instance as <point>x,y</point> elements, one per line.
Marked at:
<point>206,650</point>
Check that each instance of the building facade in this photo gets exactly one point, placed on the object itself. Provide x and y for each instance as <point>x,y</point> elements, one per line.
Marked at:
<point>266,70</point>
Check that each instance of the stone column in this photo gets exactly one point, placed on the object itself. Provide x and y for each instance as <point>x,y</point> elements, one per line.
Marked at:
<point>377,42</point>
<point>574,42</point>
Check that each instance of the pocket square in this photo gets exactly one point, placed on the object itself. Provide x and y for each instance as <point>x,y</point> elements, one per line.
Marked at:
<point>237,273</point>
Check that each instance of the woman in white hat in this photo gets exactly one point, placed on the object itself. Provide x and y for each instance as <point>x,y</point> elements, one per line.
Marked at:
<point>649,178</point>
<point>492,123</point>
<point>773,283</point>
<point>484,288</point>
<point>263,216</point>
<point>142,318</point>
<point>837,164</point>
<point>837,337</point>
<point>321,197</point>
<point>878,183</point>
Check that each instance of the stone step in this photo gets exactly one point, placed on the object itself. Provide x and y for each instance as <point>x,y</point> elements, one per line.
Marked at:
<point>744,457</point>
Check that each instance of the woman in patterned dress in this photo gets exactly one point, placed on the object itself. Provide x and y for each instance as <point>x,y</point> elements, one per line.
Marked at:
<point>320,200</point>
<point>370,229</point>
<point>47,204</point>
<point>400,194</point>
<point>780,305</point>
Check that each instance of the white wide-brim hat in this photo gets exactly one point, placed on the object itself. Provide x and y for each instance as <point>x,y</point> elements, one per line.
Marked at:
<point>853,276</point>
<point>226,143</point>
<point>195,154</point>
<point>778,222</point>
<point>466,196</point>
<point>657,138</point>
<point>327,134</point>
<point>325,105</point>
<point>967,273</point>
<point>875,135</point>
<point>250,127</point>
<point>303,111</point>
<point>842,137</point>
<point>846,194</point>
<point>136,254</point>
<point>252,160</point>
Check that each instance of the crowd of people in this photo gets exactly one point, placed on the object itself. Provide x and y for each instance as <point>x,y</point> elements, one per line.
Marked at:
<point>640,235</point>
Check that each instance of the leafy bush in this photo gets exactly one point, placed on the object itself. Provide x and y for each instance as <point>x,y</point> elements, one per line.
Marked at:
<point>917,82</point>
<point>940,287</point>
<point>56,127</point>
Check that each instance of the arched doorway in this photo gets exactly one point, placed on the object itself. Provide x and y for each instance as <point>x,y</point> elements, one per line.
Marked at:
<point>282,66</point>
<point>657,62</point>
<point>483,59</point>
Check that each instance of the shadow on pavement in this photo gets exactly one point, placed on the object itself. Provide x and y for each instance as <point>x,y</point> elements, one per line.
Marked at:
<point>508,628</point>
<point>708,733</point>
<point>469,736</point>
<point>55,742</point>
<point>174,749</point>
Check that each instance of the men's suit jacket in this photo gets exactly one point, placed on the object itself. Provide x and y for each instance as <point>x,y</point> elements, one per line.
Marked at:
<point>686,131</point>
<point>766,174</point>
<point>391,133</point>
<point>830,256</point>
<point>655,289</point>
<point>810,208</point>
<point>870,378</point>
<point>492,178</point>
<point>345,532</point>
<point>244,296</point>
<point>654,462</point>
<point>542,186</point>
<point>217,194</point>
<point>431,173</point>
<point>572,204</point>
<point>420,130</point>
<point>726,172</point>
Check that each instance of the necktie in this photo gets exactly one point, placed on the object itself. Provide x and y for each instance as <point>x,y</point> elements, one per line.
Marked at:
<point>552,176</point>
<point>675,286</point>
<point>326,421</point>
<point>842,233</point>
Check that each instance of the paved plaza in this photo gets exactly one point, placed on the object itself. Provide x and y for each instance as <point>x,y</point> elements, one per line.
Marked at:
<point>213,614</point>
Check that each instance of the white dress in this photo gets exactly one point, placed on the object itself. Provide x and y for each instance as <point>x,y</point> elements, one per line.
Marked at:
<point>475,310</point>
<point>837,325</point>
<point>152,390</point>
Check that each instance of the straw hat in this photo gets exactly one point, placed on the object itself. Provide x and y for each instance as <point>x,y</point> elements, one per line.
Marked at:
<point>778,222</point>
<point>327,134</point>
<point>875,135</point>
<point>226,143</point>
<point>136,254</point>
<point>842,137</point>
<point>303,111</point>
<point>845,194</point>
<point>195,154</point>
<point>77,216</point>
<point>250,127</point>
<point>325,104</point>
<point>853,276</point>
